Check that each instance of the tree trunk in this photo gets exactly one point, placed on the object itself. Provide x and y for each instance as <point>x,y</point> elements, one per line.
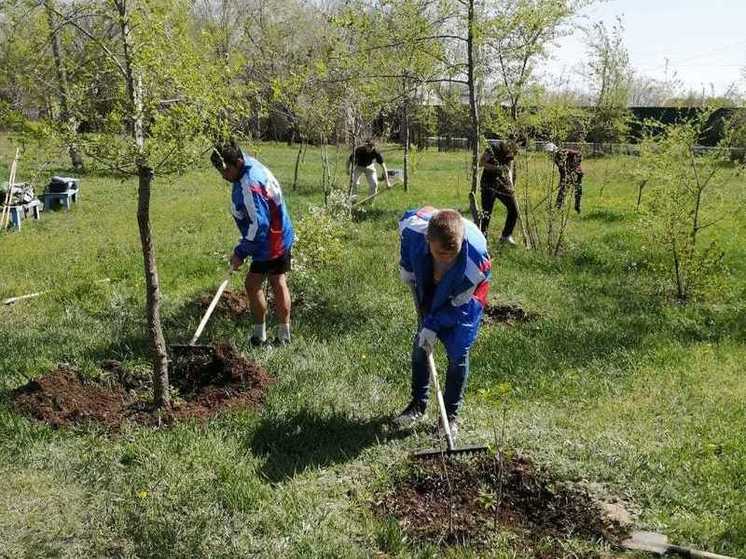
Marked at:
<point>161,395</point>
<point>473,109</point>
<point>406,146</point>
<point>66,117</point>
<point>681,290</point>
<point>639,195</point>
<point>301,147</point>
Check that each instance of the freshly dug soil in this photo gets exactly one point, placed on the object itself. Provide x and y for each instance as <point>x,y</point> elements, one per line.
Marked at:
<point>506,314</point>
<point>206,383</point>
<point>234,304</point>
<point>464,500</point>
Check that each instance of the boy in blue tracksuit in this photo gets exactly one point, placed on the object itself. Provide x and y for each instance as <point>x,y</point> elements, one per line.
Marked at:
<point>266,235</point>
<point>445,262</point>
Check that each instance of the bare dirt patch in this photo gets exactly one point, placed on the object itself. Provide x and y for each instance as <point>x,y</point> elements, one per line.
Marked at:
<point>206,384</point>
<point>465,500</point>
<point>507,314</point>
<point>233,304</point>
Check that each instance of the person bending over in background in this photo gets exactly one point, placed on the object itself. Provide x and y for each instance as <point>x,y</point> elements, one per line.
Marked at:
<point>568,161</point>
<point>362,163</point>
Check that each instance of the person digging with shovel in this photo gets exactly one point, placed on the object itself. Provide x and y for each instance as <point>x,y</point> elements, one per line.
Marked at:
<point>444,261</point>
<point>266,236</point>
<point>361,162</point>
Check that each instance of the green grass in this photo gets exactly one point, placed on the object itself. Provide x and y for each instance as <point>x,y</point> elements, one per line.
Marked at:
<point>614,383</point>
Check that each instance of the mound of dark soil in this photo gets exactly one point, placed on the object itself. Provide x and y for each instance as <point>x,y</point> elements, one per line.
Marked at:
<point>457,501</point>
<point>207,383</point>
<point>233,304</point>
<point>506,314</point>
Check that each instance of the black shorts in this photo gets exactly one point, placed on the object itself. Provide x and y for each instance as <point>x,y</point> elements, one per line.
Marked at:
<point>274,267</point>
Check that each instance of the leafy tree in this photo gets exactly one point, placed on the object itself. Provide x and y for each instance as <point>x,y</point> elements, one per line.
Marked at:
<point>682,199</point>
<point>518,37</point>
<point>171,102</point>
<point>610,76</point>
<point>67,122</point>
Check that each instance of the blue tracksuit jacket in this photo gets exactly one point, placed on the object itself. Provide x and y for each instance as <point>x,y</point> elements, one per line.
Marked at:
<point>260,214</point>
<point>460,297</point>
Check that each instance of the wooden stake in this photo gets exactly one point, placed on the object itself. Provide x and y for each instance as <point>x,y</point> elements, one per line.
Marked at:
<point>5,217</point>
<point>12,300</point>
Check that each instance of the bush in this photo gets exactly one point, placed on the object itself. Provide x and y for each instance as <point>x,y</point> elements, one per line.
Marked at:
<point>681,188</point>
<point>318,245</point>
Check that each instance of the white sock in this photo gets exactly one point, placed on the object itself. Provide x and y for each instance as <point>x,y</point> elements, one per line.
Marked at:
<point>260,331</point>
<point>283,331</point>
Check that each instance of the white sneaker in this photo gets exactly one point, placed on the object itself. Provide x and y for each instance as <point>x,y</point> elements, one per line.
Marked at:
<point>508,240</point>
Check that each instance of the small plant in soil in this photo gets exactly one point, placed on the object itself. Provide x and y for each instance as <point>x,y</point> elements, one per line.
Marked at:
<point>454,501</point>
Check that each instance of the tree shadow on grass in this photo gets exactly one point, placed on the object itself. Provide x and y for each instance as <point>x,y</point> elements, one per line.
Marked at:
<point>608,216</point>
<point>307,439</point>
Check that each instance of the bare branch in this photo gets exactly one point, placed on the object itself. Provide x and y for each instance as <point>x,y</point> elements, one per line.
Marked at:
<point>96,40</point>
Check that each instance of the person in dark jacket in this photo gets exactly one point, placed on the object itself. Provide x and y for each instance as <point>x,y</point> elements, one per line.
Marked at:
<point>496,183</point>
<point>362,162</point>
<point>568,162</point>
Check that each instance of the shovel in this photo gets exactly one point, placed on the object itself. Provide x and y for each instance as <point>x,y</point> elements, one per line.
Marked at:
<point>191,347</point>
<point>451,449</point>
<point>370,197</point>
<point>658,544</point>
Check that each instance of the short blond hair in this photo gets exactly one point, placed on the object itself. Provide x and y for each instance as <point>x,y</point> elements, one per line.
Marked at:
<point>447,228</point>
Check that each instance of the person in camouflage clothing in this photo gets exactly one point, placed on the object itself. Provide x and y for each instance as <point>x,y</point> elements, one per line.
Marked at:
<point>496,183</point>
<point>570,172</point>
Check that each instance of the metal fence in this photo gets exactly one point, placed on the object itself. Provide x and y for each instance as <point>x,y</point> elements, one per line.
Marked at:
<point>602,149</point>
<point>447,143</point>
<point>588,149</point>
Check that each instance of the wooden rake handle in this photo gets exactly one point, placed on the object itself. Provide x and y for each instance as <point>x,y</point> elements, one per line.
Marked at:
<point>211,308</point>
<point>5,216</point>
<point>441,402</point>
<point>434,379</point>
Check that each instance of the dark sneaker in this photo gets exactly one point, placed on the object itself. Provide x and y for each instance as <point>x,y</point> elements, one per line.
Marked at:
<point>452,424</point>
<point>280,341</point>
<point>255,341</point>
<point>413,413</point>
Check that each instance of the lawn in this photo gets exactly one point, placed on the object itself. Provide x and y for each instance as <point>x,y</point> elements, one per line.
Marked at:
<point>613,382</point>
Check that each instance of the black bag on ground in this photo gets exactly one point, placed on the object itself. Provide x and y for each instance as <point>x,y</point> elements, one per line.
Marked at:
<point>61,184</point>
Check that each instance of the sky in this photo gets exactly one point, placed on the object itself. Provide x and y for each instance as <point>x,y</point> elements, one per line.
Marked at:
<point>703,40</point>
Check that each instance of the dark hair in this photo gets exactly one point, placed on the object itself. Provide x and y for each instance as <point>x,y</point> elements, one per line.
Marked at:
<point>228,153</point>
<point>505,151</point>
<point>447,228</point>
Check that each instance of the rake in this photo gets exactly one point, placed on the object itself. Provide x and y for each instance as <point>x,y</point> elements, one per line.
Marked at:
<point>370,197</point>
<point>451,449</point>
<point>192,348</point>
